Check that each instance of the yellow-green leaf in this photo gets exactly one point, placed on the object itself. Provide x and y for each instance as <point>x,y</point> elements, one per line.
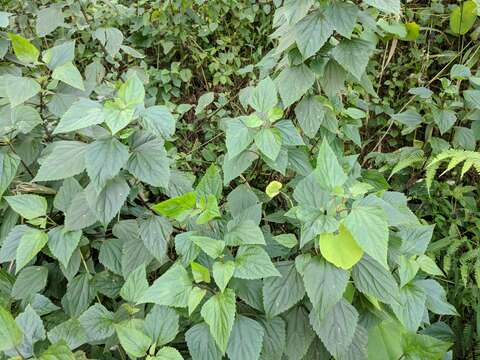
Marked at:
<point>341,250</point>
<point>413,31</point>
<point>24,50</point>
<point>463,17</point>
<point>273,189</point>
<point>10,333</point>
<point>200,273</point>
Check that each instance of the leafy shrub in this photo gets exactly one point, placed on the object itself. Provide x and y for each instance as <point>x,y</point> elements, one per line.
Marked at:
<point>121,237</point>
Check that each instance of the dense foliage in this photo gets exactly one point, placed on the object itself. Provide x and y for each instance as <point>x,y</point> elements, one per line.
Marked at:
<point>235,179</point>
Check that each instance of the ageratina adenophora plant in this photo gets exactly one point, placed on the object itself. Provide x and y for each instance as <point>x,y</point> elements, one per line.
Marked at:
<point>122,239</point>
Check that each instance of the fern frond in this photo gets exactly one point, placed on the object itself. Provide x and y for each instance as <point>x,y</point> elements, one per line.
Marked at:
<point>454,157</point>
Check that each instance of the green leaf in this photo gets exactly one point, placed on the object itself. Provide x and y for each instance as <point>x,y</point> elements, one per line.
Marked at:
<point>211,247</point>
<point>196,296</point>
<point>269,142</point>
<point>410,118</point>
<point>264,96</point>
<point>31,242</point>
<point>132,339</point>
<point>170,289</point>
<point>246,339</point>
<point>80,293</point>
<point>132,92</point>
<point>337,327</point>
<point>243,232</point>
<point>71,332</point>
<point>329,173</point>
<point>472,98</point>
<point>436,297</point>
<point>209,210</point>
<point>8,168</point>
<point>374,280</point>
<point>273,339</point>
<point>4,21</point>
<point>59,55</point>
<point>178,207</point>
<point>110,255</point>
<point>281,293</point>
<point>312,32</point>
<point>358,347</point>
<point>104,158</point>
<point>24,89</point>
<point>134,252</point>
<point>369,228</point>
<point>10,333</point>
<point>168,353</point>
<point>65,159</point>
<point>79,215</point>
<point>28,206</point>
<point>219,313</point>
<point>97,322</point>
<point>460,72</point>
<point>407,269</point>
<point>159,121</point>
<point>342,16</point>
<point>385,341</point>
<point>324,283</point>
<point>235,166</point>
<point>69,74</point>
<point>10,244</point>
<point>201,344</point>
<point>155,233</point>
<point>425,347</point>
<point>287,240</point>
<point>415,238</point>
<point>135,286</point>
<point>111,38</point>
<point>252,262</point>
<point>62,243</point>
<point>107,203</point>
<point>238,136</point>
<point>353,55</point>
<point>463,17</point>
<point>33,331</point>
<point>82,114</point>
<point>24,50</point>
<point>149,162</point>
<point>289,133</point>
<point>200,273</point>
<point>299,333</point>
<point>422,92</point>
<point>293,82</point>
<point>25,118</point>
<point>411,306</point>
<point>388,6</point>
<point>203,101</point>
<point>48,19</point>
<point>117,116</point>
<point>161,325</point>
<point>444,119</point>
<point>210,183</point>
<point>429,266</point>
<point>310,114</point>
<point>341,250</point>
<point>29,281</point>
<point>222,273</point>
<point>58,351</point>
